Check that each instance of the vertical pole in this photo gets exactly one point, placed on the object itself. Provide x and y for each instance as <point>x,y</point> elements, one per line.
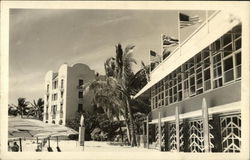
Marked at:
<point>81,136</point>
<point>177,122</point>
<point>149,64</point>
<point>48,142</point>
<point>162,49</point>
<point>159,129</point>
<point>57,141</point>
<point>205,125</point>
<point>147,132</point>
<point>143,128</point>
<point>179,32</point>
<point>20,141</point>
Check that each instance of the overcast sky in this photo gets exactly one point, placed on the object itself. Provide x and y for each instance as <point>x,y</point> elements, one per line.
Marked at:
<point>41,40</point>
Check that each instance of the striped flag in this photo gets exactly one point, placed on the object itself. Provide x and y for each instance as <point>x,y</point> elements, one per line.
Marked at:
<point>186,21</point>
<point>155,59</point>
<point>169,41</point>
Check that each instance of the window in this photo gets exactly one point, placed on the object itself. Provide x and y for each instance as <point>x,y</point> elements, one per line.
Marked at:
<point>192,85</point>
<point>61,108</point>
<point>238,64</point>
<point>61,83</point>
<point>228,69</point>
<point>55,84</point>
<point>166,92</point>
<point>53,109</point>
<point>226,39</point>
<point>47,87</point>
<point>80,94</point>
<point>54,97</point>
<point>153,97</point>
<point>80,107</point>
<point>216,65</point>
<point>62,94</point>
<point>207,79</point>
<point>80,82</point>
<point>217,71</point>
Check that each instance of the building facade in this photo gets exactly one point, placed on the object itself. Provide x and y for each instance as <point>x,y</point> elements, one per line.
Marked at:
<point>196,92</point>
<point>64,95</point>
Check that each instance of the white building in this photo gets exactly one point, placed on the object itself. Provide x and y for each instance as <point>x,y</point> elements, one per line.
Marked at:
<point>64,94</point>
<point>206,71</point>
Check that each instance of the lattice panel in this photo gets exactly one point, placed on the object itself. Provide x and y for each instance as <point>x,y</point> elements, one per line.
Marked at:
<point>156,136</point>
<point>172,136</point>
<point>196,138</point>
<point>231,133</point>
<point>163,135</point>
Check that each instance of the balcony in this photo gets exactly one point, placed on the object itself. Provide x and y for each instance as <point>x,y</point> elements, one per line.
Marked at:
<point>61,89</point>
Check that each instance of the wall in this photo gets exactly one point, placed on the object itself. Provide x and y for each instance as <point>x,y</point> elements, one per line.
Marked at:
<point>76,72</point>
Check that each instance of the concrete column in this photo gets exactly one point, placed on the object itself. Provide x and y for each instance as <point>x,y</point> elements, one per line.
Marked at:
<point>147,133</point>
<point>205,125</point>
<point>159,129</point>
<point>177,123</point>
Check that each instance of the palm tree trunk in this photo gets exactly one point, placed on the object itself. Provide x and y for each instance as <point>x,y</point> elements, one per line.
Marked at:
<point>131,123</point>
<point>120,126</point>
<point>21,112</point>
<point>128,132</point>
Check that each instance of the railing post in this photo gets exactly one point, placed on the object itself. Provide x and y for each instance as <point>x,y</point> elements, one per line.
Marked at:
<point>177,123</point>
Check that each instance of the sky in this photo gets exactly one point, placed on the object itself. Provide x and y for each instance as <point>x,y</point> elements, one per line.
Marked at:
<point>43,39</point>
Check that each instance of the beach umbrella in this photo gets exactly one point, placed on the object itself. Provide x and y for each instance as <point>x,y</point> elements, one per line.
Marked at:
<point>27,128</point>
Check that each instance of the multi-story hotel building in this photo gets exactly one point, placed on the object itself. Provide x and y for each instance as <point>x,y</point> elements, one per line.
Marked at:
<point>64,95</point>
<point>196,92</point>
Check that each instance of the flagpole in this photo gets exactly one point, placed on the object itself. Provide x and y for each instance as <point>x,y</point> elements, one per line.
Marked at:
<point>162,45</point>
<point>179,32</point>
<point>149,64</point>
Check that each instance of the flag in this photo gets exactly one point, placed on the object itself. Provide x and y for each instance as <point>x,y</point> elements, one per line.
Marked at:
<point>186,21</point>
<point>169,41</point>
<point>165,53</point>
<point>155,59</point>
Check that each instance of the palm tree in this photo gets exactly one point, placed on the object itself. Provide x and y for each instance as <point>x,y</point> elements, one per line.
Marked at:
<point>107,96</point>
<point>120,84</point>
<point>22,106</point>
<point>37,109</point>
<point>12,110</point>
